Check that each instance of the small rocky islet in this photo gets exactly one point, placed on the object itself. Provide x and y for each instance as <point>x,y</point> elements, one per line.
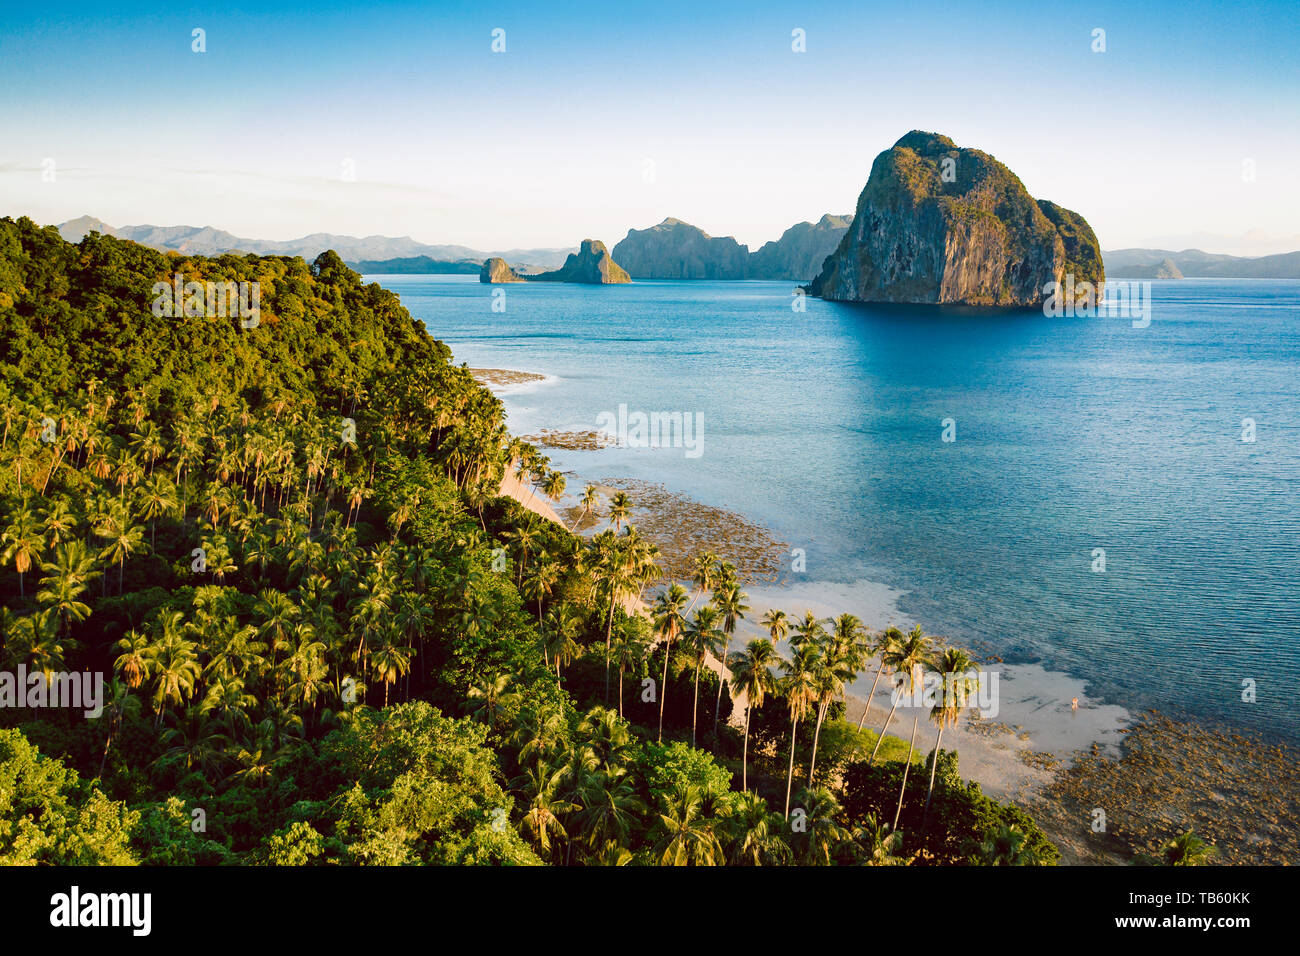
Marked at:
<point>590,265</point>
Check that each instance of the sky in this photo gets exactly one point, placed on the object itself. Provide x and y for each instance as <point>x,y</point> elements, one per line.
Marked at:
<point>398,118</point>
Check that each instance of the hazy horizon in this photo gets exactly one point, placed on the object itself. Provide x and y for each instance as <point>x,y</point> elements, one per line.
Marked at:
<point>1172,244</point>
<point>1182,134</point>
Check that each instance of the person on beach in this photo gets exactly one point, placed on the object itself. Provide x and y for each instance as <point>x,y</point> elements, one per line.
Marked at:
<point>1074,703</point>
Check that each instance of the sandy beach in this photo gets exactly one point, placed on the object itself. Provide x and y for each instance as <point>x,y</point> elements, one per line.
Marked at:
<point>1012,755</point>
<point>1037,751</point>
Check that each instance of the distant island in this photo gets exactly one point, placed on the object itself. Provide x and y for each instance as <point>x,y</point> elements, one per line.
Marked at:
<point>416,265</point>
<point>1164,269</point>
<point>394,254</point>
<point>590,265</point>
<point>673,249</point>
<point>678,250</point>
<point>941,224</point>
<point>1195,264</point>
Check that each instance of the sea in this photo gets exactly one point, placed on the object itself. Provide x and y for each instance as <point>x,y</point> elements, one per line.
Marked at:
<point>1112,497</point>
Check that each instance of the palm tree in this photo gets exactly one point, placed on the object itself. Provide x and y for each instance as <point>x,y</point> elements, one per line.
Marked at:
<point>809,630</point>
<point>913,668</point>
<point>590,497</point>
<point>702,575</point>
<point>308,668</point>
<point>902,656</point>
<point>553,485</point>
<point>173,665</point>
<point>822,836</point>
<point>545,807</point>
<point>685,838</point>
<point>540,733</point>
<point>610,809</point>
<point>58,521</point>
<point>701,637</point>
<point>613,573</point>
<point>67,578</point>
<point>751,675</point>
<point>558,635</point>
<point>608,738</point>
<point>546,573</point>
<point>620,506</point>
<point>1007,846</point>
<point>133,663</point>
<point>123,540</point>
<point>33,640</point>
<point>611,854</point>
<point>889,637</point>
<point>492,695</point>
<point>753,832</point>
<point>730,602</point>
<point>874,844</point>
<point>834,669</point>
<point>668,624</point>
<point>630,650</point>
<point>799,688</point>
<point>525,535</point>
<point>1187,849</point>
<point>148,443</point>
<point>776,623</point>
<point>120,703</point>
<point>23,542</point>
<point>954,669</point>
<point>391,662</point>
<point>277,613</point>
<point>846,638</point>
<point>157,500</point>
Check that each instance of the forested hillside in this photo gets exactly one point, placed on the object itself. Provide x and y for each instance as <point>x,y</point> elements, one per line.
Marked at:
<point>327,639</point>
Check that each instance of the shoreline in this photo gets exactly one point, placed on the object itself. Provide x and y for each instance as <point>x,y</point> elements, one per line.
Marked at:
<point>1003,755</point>
<point>1036,752</point>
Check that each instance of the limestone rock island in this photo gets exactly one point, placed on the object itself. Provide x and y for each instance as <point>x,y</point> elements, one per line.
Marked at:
<point>941,224</point>
<point>591,265</point>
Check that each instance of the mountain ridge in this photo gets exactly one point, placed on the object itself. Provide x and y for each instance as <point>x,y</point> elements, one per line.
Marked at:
<point>209,241</point>
<point>415,257</point>
<point>1140,263</point>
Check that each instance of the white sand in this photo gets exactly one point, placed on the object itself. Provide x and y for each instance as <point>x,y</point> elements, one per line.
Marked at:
<point>1034,713</point>
<point>1033,703</point>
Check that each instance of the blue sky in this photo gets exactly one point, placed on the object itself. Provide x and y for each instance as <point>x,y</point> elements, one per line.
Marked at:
<point>598,118</point>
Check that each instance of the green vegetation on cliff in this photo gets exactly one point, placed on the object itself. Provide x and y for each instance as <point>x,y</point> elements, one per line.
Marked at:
<point>324,635</point>
<point>938,224</point>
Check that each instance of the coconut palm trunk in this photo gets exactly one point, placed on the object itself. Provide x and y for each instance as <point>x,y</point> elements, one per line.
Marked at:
<point>695,710</point>
<point>744,760</point>
<point>906,767</point>
<point>663,691</point>
<point>934,765</point>
<point>609,636</point>
<point>817,733</point>
<point>881,738</point>
<point>871,696</point>
<point>789,779</point>
<point>722,666</point>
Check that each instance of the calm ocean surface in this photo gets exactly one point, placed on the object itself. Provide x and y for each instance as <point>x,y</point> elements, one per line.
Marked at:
<point>1072,434</point>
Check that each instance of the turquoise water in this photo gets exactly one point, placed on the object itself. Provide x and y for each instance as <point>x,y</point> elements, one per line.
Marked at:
<point>1071,434</point>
